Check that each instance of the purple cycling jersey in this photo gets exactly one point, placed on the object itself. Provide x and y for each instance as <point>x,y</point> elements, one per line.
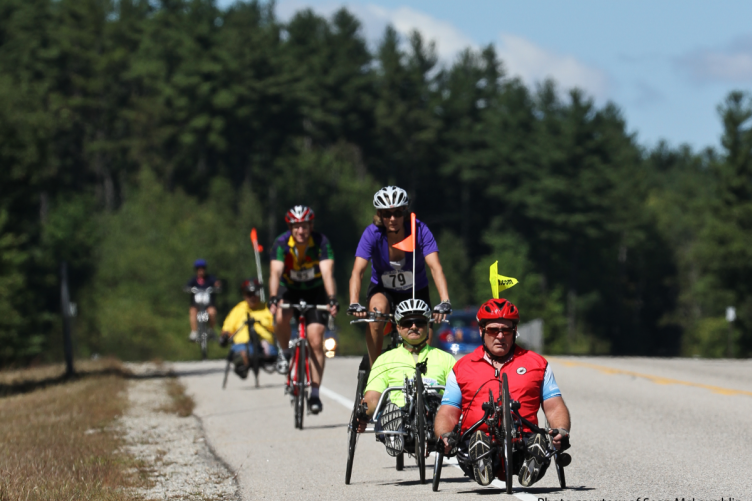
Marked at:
<point>374,247</point>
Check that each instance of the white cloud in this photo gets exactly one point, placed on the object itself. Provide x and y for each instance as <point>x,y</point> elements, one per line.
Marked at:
<point>533,64</point>
<point>731,64</point>
<point>449,40</point>
<point>521,57</point>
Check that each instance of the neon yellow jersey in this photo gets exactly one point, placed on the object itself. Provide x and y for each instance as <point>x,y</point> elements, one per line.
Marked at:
<point>392,366</point>
<point>264,324</point>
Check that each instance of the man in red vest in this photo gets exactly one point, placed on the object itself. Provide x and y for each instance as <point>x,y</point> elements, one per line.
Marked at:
<point>531,383</point>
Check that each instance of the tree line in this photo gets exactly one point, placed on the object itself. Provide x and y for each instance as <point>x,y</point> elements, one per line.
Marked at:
<point>136,136</point>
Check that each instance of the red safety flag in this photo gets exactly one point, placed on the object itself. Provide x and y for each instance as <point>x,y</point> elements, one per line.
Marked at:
<point>254,240</point>
<point>408,244</point>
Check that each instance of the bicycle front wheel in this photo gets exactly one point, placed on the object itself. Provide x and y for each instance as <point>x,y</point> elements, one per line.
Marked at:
<point>508,450</point>
<point>300,376</point>
<point>352,432</point>
<point>437,466</point>
<point>203,338</point>
<point>420,421</point>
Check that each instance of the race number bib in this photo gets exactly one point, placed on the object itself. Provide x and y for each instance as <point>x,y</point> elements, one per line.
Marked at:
<point>303,275</point>
<point>202,297</point>
<point>397,280</point>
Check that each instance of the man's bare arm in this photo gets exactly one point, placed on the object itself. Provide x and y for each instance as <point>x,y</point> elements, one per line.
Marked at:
<point>557,415</point>
<point>327,273</point>
<point>446,419</point>
<point>275,273</point>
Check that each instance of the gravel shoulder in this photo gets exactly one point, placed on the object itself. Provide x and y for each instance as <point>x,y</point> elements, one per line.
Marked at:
<point>179,462</point>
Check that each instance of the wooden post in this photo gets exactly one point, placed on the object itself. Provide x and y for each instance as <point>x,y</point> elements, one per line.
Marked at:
<point>65,307</point>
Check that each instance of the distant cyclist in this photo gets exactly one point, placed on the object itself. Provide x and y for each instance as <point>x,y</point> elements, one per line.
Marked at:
<point>392,274</point>
<point>391,367</point>
<point>201,281</point>
<point>302,269</point>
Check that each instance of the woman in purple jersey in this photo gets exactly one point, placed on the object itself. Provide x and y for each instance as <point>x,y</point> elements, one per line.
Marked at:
<point>392,274</point>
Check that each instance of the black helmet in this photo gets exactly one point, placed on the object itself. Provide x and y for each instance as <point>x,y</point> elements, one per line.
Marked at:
<point>251,286</point>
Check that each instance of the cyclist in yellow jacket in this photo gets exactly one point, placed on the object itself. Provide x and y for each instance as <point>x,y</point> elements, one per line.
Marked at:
<point>235,327</point>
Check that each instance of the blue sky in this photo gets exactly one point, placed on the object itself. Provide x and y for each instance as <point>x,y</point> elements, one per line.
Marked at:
<point>666,63</point>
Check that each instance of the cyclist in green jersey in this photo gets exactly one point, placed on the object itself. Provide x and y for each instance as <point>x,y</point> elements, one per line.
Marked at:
<point>302,269</point>
<point>391,367</point>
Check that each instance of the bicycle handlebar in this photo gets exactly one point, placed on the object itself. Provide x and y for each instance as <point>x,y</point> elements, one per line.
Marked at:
<point>194,290</point>
<point>304,306</point>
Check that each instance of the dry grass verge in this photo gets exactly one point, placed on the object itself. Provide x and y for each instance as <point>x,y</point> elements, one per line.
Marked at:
<point>180,403</point>
<point>13,382</point>
<point>55,443</point>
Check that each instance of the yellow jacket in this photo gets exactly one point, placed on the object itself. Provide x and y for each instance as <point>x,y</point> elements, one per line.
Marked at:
<point>264,324</point>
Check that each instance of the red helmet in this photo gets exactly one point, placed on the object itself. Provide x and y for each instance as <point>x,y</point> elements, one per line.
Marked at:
<point>497,309</point>
<point>299,214</point>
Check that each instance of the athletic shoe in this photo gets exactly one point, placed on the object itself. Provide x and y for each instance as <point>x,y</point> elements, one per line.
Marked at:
<point>193,336</point>
<point>315,405</point>
<point>391,420</point>
<point>535,461</point>
<point>480,444</point>
<point>282,365</point>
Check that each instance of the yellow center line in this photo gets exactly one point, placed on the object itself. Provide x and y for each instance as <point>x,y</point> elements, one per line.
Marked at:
<point>649,377</point>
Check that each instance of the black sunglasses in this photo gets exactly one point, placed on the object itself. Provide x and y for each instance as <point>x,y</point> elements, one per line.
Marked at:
<point>388,214</point>
<point>409,322</point>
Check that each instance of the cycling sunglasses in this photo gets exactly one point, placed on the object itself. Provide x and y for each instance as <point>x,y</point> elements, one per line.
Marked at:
<point>494,331</point>
<point>385,214</point>
<point>409,322</point>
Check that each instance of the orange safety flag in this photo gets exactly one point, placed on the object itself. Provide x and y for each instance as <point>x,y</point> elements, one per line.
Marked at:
<point>408,244</point>
<point>254,240</point>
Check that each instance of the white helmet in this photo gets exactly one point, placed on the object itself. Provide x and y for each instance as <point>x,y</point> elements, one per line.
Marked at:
<point>390,197</point>
<point>411,308</point>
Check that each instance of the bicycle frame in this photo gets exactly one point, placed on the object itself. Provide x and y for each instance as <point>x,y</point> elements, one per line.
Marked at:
<point>302,340</point>
<point>299,375</point>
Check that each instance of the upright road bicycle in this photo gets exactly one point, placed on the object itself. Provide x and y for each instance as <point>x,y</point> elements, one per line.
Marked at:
<point>299,373</point>
<point>202,298</point>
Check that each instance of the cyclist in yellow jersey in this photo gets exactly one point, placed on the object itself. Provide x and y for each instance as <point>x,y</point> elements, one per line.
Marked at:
<point>235,323</point>
<point>391,367</point>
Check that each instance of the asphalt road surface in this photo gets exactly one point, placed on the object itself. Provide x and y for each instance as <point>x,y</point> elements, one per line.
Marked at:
<point>647,429</point>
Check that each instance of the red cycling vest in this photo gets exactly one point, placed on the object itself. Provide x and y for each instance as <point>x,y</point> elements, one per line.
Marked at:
<point>476,375</point>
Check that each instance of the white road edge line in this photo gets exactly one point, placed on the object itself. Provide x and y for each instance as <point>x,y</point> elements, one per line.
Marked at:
<point>348,404</point>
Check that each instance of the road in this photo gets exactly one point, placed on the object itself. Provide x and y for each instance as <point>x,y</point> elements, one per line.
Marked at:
<point>641,428</point>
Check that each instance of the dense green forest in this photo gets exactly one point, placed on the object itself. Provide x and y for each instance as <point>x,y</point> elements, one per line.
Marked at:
<point>136,136</point>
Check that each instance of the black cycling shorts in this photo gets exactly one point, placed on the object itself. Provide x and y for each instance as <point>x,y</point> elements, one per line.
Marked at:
<point>310,296</point>
<point>396,297</point>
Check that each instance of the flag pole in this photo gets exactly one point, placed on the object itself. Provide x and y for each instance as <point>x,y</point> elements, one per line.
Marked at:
<point>254,242</point>
<point>412,228</point>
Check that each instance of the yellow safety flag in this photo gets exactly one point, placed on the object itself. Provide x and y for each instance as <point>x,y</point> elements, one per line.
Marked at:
<point>500,282</point>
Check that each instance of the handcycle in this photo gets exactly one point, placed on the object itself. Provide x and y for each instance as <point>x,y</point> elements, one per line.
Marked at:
<point>418,412</point>
<point>505,427</point>
<point>365,364</point>
<point>257,359</point>
<point>299,372</point>
<point>202,298</point>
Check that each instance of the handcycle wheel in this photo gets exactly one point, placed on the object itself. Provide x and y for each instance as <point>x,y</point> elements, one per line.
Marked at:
<point>300,376</point>
<point>560,474</point>
<point>420,421</point>
<point>437,466</point>
<point>508,450</point>
<point>255,360</point>
<point>352,431</point>
<point>400,461</point>
<point>227,369</point>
